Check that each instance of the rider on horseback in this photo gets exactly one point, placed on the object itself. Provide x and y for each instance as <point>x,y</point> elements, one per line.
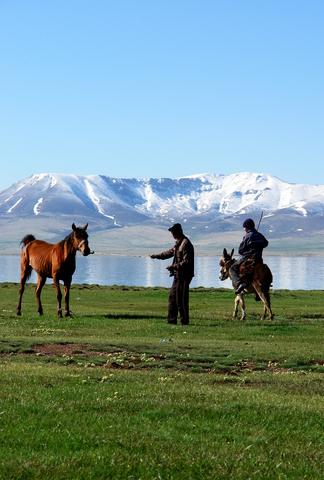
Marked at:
<point>252,244</point>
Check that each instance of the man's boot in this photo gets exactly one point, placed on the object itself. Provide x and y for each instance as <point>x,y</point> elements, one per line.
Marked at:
<point>240,288</point>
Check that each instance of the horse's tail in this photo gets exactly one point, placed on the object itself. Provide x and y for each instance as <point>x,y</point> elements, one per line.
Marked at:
<point>27,239</point>
<point>26,268</point>
<point>263,275</point>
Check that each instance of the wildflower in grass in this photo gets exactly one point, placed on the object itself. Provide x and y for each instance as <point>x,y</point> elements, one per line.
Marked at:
<point>104,379</point>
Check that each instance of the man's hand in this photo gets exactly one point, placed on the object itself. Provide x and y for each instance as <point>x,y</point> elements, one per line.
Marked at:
<point>170,268</point>
<point>153,256</point>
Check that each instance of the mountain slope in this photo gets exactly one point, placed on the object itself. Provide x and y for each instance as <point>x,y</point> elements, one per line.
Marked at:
<point>207,203</point>
<point>220,195</point>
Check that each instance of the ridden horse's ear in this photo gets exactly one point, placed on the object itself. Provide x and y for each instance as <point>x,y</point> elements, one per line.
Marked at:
<point>232,252</point>
<point>73,227</point>
<point>85,227</point>
<point>224,252</point>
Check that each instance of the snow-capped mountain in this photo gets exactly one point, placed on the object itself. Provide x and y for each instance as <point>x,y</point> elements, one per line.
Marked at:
<point>214,201</point>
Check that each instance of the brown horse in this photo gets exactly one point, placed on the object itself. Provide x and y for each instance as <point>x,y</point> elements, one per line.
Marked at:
<point>55,261</point>
<point>257,276</point>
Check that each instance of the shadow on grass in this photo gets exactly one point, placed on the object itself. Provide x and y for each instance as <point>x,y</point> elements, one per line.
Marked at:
<point>133,316</point>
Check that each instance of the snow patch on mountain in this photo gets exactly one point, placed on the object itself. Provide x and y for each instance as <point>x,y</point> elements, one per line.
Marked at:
<point>36,207</point>
<point>214,195</point>
<point>14,206</point>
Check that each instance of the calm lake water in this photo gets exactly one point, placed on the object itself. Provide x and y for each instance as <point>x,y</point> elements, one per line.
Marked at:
<point>293,273</point>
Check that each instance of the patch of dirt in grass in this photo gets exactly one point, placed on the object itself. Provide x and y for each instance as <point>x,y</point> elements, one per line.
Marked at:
<point>53,349</point>
<point>119,358</point>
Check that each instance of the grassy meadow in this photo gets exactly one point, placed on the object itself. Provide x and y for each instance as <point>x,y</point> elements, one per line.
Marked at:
<point>115,392</point>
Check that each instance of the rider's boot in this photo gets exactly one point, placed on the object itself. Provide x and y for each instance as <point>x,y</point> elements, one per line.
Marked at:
<point>240,288</point>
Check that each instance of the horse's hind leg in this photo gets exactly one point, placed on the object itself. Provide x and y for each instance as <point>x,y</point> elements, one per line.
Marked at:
<point>38,290</point>
<point>265,297</point>
<point>25,273</point>
<point>268,306</point>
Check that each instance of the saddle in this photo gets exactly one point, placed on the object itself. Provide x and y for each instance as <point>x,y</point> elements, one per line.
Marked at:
<point>247,269</point>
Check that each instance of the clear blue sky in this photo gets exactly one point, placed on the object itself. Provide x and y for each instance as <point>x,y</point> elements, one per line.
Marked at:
<point>162,88</point>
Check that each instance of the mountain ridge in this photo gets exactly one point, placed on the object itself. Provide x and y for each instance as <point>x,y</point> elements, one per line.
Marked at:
<point>204,203</point>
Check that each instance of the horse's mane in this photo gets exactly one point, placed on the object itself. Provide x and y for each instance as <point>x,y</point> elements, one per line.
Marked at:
<point>67,240</point>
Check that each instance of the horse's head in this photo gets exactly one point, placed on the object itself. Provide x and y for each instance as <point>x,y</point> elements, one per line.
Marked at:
<point>80,239</point>
<point>225,263</point>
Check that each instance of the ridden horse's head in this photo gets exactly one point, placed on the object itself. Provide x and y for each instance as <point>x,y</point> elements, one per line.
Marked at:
<point>225,263</point>
<point>80,239</point>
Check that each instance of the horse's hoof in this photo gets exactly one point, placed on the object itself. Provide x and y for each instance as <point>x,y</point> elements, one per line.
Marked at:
<point>19,313</point>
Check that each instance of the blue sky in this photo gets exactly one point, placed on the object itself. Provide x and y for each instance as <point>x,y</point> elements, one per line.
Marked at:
<point>159,88</point>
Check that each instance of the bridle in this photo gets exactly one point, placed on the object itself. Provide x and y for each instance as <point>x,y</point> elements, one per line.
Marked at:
<point>222,275</point>
<point>79,246</point>
<point>81,243</point>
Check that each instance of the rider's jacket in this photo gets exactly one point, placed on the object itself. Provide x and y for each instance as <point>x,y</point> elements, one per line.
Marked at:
<point>253,243</point>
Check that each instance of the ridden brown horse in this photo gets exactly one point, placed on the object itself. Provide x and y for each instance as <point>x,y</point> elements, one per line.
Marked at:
<point>257,276</point>
<point>55,261</point>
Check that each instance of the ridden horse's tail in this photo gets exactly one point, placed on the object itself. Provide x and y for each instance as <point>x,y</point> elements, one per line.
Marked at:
<point>26,268</point>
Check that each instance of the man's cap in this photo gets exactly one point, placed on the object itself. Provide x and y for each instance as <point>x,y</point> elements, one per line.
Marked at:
<point>176,228</point>
<point>248,223</point>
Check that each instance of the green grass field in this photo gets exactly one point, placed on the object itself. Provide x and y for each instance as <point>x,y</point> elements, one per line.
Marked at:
<point>115,392</point>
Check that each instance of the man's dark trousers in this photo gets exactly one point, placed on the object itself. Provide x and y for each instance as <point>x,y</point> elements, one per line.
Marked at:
<point>179,301</point>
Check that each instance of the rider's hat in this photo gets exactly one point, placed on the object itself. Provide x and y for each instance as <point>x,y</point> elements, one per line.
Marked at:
<point>248,223</point>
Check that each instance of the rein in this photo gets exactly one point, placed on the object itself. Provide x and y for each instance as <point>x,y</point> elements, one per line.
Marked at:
<point>228,261</point>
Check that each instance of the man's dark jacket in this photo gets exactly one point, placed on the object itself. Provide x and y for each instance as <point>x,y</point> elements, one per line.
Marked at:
<point>253,243</point>
<point>183,258</point>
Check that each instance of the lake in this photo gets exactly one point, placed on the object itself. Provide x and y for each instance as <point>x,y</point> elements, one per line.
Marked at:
<point>292,273</point>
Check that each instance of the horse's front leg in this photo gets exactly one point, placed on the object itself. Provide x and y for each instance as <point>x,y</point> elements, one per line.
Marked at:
<point>236,303</point>
<point>58,295</point>
<point>242,303</point>
<point>38,290</point>
<point>67,285</point>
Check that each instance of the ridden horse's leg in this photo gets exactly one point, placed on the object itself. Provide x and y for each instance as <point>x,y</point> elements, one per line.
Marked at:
<point>265,297</point>
<point>58,294</point>
<point>38,290</point>
<point>67,285</point>
<point>236,302</point>
<point>268,305</point>
<point>242,303</point>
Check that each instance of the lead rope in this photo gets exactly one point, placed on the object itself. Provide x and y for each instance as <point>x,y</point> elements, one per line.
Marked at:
<point>164,273</point>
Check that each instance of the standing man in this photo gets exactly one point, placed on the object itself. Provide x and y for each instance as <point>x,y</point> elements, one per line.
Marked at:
<point>182,269</point>
<point>253,243</point>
